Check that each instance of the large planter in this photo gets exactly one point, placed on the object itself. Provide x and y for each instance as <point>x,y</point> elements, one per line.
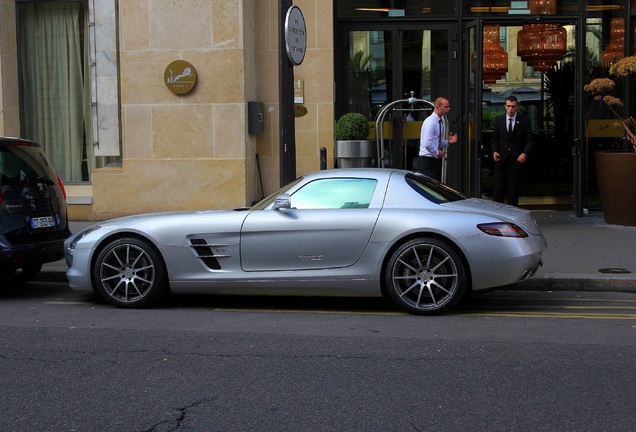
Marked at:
<point>355,153</point>
<point>616,177</point>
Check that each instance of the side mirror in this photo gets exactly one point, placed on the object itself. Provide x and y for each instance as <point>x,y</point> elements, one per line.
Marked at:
<point>282,202</point>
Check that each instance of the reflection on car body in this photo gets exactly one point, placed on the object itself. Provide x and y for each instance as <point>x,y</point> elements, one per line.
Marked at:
<point>343,232</point>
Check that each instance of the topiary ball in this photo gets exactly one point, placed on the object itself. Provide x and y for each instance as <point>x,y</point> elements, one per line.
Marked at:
<point>352,126</point>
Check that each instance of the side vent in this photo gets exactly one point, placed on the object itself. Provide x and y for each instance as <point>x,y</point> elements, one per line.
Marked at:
<point>205,253</point>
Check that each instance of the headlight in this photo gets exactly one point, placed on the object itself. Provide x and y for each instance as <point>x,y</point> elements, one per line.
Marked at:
<point>81,235</point>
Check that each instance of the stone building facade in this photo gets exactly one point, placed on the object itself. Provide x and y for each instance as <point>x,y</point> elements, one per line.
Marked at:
<point>188,151</point>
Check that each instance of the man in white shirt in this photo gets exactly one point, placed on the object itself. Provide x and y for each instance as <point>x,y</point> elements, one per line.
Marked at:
<point>432,145</point>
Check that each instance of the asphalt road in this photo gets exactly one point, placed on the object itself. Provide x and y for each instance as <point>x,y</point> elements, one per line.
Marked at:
<point>514,361</point>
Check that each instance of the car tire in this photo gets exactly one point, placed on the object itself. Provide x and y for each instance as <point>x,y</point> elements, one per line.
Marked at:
<point>21,275</point>
<point>129,273</point>
<point>425,276</point>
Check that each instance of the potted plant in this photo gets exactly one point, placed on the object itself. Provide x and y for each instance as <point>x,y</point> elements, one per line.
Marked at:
<point>353,148</point>
<point>616,171</point>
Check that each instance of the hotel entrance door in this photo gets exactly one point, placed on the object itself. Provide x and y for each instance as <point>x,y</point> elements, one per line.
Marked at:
<point>549,95</point>
<point>384,63</point>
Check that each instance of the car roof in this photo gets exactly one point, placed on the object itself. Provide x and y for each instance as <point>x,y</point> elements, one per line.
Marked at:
<point>379,173</point>
<point>15,140</point>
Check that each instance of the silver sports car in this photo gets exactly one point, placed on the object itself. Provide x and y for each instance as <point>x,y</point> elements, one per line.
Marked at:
<point>343,232</point>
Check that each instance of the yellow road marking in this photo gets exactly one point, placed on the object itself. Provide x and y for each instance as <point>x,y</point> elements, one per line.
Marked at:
<point>529,298</point>
<point>547,306</point>
<point>630,317</point>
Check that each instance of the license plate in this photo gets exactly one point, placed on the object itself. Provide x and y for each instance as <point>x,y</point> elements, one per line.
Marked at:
<point>42,222</point>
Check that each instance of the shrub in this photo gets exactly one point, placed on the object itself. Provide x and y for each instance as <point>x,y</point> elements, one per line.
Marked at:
<point>352,126</point>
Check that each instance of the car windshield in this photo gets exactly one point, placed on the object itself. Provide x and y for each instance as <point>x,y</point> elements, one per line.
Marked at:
<point>432,190</point>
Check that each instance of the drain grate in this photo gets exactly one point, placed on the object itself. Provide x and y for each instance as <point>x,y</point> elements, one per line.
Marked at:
<point>614,270</point>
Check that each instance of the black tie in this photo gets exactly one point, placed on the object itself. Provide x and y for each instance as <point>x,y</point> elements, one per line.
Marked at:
<point>510,126</point>
<point>440,132</point>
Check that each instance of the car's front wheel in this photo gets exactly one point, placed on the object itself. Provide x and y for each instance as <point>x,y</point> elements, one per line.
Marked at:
<point>425,276</point>
<point>129,273</point>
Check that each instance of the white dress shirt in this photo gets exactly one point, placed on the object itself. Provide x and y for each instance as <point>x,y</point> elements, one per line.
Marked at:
<point>430,142</point>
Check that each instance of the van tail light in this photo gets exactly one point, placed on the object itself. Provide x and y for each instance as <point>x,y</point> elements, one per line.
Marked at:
<point>502,229</point>
<point>59,182</point>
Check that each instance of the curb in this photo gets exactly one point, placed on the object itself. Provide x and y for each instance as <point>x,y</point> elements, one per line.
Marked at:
<point>578,283</point>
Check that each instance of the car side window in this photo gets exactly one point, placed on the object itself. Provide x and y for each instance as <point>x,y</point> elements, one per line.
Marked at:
<point>334,194</point>
<point>432,190</point>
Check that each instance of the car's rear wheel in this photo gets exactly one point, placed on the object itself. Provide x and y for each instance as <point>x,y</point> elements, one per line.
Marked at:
<point>21,275</point>
<point>425,276</point>
<point>129,273</point>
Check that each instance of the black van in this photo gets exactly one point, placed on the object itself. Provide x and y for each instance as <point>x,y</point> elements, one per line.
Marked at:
<point>33,217</point>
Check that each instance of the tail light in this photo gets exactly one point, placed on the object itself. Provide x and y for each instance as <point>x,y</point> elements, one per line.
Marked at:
<point>59,182</point>
<point>502,229</point>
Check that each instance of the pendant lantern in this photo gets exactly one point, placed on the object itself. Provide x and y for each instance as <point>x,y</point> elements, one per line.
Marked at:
<point>615,50</point>
<point>542,7</point>
<point>495,57</point>
<point>542,45</point>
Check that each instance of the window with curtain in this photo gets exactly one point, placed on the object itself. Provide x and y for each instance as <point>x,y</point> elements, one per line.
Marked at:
<point>55,100</point>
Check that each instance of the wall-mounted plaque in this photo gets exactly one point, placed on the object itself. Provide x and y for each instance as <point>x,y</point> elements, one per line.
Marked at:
<point>295,36</point>
<point>180,77</point>
<point>300,110</point>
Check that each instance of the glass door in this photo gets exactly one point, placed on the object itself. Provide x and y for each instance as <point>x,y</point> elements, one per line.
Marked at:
<point>498,65</point>
<point>472,109</point>
<point>600,46</point>
<point>384,63</point>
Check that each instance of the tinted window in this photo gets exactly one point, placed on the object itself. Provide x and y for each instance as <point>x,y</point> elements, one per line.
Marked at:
<point>334,194</point>
<point>23,164</point>
<point>432,190</point>
<point>395,9</point>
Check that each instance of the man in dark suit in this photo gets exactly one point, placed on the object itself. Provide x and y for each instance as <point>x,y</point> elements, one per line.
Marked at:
<point>511,142</point>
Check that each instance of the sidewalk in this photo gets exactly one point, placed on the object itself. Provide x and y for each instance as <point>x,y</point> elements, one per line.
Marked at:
<point>583,254</point>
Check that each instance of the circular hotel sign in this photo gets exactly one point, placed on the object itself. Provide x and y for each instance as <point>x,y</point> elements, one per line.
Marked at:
<point>295,36</point>
<point>180,77</point>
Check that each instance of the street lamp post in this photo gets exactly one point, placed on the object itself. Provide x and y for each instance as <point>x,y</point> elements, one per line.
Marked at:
<point>287,126</point>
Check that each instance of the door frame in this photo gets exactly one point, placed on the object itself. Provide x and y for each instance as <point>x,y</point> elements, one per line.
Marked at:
<point>471,116</point>
<point>578,155</point>
<point>397,29</point>
<point>397,90</point>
